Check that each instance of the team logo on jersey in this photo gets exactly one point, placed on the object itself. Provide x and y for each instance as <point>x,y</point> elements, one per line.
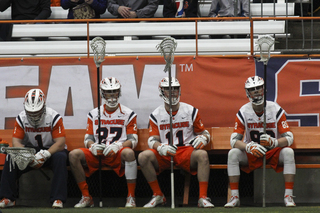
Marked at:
<point>114,121</point>
<point>260,125</point>
<point>175,125</point>
<point>40,129</point>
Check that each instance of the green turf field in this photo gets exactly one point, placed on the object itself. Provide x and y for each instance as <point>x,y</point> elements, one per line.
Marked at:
<point>163,209</point>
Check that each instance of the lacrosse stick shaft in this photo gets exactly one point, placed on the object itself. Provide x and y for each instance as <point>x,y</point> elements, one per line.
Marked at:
<point>99,134</point>
<point>44,174</point>
<point>264,131</point>
<point>171,139</point>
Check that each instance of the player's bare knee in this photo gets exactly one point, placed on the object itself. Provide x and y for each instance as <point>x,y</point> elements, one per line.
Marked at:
<point>128,155</point>
<point>74,155</point>
<point>144,157</point>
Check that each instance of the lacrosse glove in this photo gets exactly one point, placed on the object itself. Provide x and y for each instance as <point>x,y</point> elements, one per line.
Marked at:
<point>112,149</point>
<point>39,158</point>
<point>167,150</point>
<point>199,142</point>
<point>256,149</point>
<point>268,141</point>
<point>97,149</point>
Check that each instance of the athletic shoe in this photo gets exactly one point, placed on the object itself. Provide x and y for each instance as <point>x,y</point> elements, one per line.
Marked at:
<point>5,202</point>
<point>85,202</point>
<point>155,200</point>
<point>131,202</point>
<point>234,202</point>
<point>288,201</point>
<point>57,204</point>
<point>204,202</point>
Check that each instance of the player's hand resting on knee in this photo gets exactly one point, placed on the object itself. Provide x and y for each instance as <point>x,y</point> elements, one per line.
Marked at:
<point>268,141</point>
<point>39,158</point>
<point>112,149</point>
<point>199,142</point>
<point>256,149</point>
<point>97,149</point>
<point>167,150</point>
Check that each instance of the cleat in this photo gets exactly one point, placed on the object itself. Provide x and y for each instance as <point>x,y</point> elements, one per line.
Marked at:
<point>156,200</point>
<point>131,202</point>
<point>85,202</point>
<point>57,204</point>
<point>234,202</point>
<point>205,202</point>
<point>5,202</point>
<point>288,201</point>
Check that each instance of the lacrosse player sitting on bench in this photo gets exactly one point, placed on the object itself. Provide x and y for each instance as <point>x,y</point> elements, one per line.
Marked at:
<point>274,144</point>
<point>118,139</point>
<point>189,137</point>
<point>41,128</point>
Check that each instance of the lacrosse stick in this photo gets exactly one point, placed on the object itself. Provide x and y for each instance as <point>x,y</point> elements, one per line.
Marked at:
<point>167,48</point>
<point>265,43</point>
<point>21,156</point>
<point>98,45</point>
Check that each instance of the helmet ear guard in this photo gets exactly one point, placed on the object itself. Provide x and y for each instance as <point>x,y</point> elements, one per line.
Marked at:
<point>34,106</point>
<point>164,85</point>
<point>255,83</point>
<point>110,87</point>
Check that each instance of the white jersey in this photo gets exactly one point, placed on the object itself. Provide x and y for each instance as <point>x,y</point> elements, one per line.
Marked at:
<point>42,136</point>
<point>114,126</point>
<point>247,120</point>
<point>184,124</point>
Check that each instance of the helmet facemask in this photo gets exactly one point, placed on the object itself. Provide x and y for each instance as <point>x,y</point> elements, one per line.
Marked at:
<point>35,107</point>
<point>110,97</point>
<point>254,87</point>
<point>175,90</point>
<point>110,90</point>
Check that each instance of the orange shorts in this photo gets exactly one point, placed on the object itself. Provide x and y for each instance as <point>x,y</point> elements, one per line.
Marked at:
<point>93,162</point>
<point>181,160</point>
<point>272,158</point>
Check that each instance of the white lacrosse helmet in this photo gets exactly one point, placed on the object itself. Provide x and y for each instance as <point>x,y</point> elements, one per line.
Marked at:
<point>35,106</point>
<point>164,86</point>
<point>254,87</point>
<point>110,90</point>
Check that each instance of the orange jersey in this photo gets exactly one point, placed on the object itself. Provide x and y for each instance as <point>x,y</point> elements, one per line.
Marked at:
<point>249,124</point>
<point>114,126</point>
<point>185,123</point>
<point>42,136</point>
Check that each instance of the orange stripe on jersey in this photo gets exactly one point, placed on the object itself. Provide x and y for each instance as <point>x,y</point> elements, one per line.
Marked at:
<point>239,127</point>
<point>153,129</point>
<point>132,126</point>
<point>58,130</point>
<point>198,126</point>
<point>18,132</point>
<point>282,125</point>
<point>89,127</point>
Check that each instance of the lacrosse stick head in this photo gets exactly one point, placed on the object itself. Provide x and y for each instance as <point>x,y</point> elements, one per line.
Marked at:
<point>265,43</point>
<point>22,156</point>
<point>167,47</point>
<point>98,46</point>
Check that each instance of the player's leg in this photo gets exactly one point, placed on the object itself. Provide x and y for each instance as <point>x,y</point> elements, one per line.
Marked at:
<point>149,164</point>
<point>286,158</point>
<point>128,157</point>
<point>199,161</point>
<point>58,163</point>
<point>235,158</point>
<point>77,159</point>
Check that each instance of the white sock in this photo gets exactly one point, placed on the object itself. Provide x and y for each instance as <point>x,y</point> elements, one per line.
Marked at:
<point>235,192</point>
<point>288,192</point>
<point>131,170</point>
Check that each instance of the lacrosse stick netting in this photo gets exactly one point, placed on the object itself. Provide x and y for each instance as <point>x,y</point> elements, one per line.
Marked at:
<point>167,47</point>
<point>98,46</point>
<point>21,156</point>
<point>265,42</point>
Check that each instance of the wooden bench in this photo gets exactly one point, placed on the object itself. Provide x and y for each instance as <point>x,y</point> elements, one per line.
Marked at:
<point>306,141</point>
